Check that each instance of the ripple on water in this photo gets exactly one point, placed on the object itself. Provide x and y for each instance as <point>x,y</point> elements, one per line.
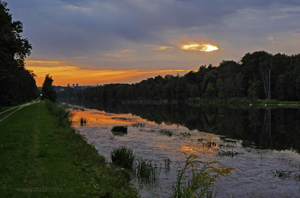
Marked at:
<point>255,168</point>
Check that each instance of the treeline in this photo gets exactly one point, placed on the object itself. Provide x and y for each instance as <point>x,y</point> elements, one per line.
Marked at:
<point>17,84</point>
<point>257,75</point>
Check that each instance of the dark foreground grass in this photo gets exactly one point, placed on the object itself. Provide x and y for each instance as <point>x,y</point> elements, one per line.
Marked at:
<point>41,158</point>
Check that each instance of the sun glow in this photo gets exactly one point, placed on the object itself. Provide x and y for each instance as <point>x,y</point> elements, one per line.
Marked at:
<point>200,47</point>
<point>64,74</point>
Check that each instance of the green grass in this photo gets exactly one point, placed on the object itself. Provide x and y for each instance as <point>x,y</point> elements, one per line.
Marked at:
<point>7,112</point>
<point>247,102</point>
<point>41,156</point>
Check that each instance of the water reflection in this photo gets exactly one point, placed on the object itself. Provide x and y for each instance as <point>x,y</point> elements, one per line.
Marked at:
<point>235,138</point>
<point>265,128</point>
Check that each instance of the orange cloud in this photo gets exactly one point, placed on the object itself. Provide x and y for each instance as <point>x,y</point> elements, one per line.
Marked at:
<point>64,74</point>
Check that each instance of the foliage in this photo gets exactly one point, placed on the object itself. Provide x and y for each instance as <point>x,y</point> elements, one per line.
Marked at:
<point>48,89</point>
<point>123,157</point>
<point>17,84</point>
<point>201,180</point>
<point>229,79</point>
<point>63,115</point>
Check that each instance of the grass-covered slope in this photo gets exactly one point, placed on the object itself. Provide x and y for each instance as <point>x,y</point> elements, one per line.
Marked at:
<point>40,156</point>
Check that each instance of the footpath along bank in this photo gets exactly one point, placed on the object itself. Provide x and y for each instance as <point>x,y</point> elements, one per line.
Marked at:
<point>42,156</point>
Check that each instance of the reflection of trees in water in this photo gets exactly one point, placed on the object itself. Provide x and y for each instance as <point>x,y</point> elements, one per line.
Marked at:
<point>267,128</point>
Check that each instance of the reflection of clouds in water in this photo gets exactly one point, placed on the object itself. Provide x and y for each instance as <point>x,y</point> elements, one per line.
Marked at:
<point>254,166</point>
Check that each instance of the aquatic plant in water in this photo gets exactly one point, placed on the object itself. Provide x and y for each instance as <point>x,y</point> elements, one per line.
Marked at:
<point>166,132</point>
<point>83,121</point>
<point>122,129</point>
<point>146,170</point>
<point>227,153</point>
<point>123,157</point>
<point>201,180</point>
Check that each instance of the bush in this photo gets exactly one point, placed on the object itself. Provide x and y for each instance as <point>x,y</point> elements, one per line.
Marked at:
<point>60,112</point>
<point>123,157</point>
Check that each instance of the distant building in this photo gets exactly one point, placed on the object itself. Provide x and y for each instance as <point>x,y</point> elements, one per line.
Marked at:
<point>77,85</point>
<point>73,85</point>
<point>68,85</point>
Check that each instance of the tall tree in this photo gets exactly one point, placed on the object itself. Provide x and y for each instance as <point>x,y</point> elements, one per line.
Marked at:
<point>16,83</point>
<point>48,89</point>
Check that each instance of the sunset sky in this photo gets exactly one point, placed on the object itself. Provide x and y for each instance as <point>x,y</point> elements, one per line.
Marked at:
<point>124,41</point>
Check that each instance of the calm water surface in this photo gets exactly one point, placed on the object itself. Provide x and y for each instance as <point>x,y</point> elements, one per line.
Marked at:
<point>267,143</point>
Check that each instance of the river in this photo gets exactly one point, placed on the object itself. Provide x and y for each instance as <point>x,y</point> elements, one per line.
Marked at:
<point>265,143</point>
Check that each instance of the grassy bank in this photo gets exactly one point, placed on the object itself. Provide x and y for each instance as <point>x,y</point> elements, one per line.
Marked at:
<point>41,156</point>
<point>246,102</point>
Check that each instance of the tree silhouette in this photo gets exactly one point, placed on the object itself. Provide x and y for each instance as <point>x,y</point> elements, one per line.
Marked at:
<point>48,89</point>
<point>17,84</point>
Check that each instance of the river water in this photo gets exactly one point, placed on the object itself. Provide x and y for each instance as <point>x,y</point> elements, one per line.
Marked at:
<point>265,141</point>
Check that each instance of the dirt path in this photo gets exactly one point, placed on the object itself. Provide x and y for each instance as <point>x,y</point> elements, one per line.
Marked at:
<point>17,109</point>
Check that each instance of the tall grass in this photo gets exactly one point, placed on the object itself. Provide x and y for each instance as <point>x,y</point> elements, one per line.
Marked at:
<point>147,171</point>
<point>123,157</point>
<point>199,183</point>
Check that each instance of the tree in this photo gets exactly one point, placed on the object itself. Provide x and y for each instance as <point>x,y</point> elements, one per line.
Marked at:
<point>239,81</point>
<point>210,91</point>
<point>48,90</point>
<point>16,83</point>
<point>253,89</point>
<point>195,91</point>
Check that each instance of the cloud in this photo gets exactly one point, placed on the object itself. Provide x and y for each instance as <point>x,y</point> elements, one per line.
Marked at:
<point>128,50</point>
<point>168,48</point>
<point>199,47</point>
<point>107,32</point>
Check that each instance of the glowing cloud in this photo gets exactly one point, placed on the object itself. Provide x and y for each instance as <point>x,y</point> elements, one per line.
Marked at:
<point>200,47</point>
<point>164,48</point>
<point>128,50</point>
<point>271,38</point>
<point>64,74</point>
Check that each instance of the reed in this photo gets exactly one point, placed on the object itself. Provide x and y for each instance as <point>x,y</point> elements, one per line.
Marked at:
<point>147,171</point>
<point>83,121</point>
<point>123,157</point>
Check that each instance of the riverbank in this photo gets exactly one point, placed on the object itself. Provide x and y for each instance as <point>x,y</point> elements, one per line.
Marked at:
<point>246,102</point>
<point>41,156</point>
